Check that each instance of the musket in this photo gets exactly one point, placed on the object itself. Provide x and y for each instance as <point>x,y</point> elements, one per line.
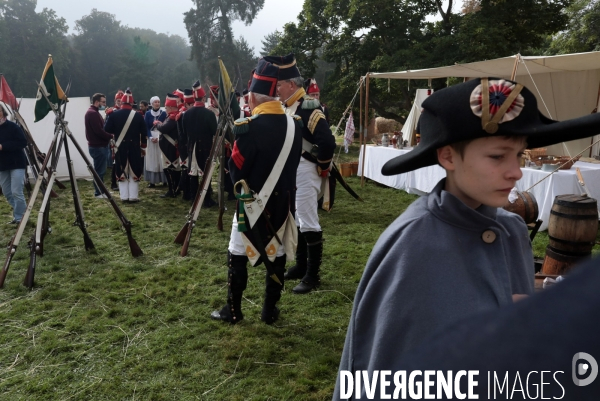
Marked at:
<point>185,234</point>
<point>14,243</point>
<point>221,186</point>
<point>126,224</point>
<point>79,216</point>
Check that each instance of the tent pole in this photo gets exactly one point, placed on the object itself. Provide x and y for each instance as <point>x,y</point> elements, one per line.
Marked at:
<point>515,67</point>
<point>360,116</point>
<point>362,173</point>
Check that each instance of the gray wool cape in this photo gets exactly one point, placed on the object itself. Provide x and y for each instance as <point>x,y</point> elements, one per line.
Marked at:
<point>431,268</point>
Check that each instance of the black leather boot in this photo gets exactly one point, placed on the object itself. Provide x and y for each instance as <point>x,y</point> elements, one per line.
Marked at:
<point>208,201</point>
<point>237,278</point>
<point>171,191</point>
<point>270,312</point>
<point>176,178</point>
<point>311,280</point>
<point>298,271</point>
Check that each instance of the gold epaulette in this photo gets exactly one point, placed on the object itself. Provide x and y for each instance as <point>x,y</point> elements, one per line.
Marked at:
<point>242,125</point>
<point>310,103</point>
<point>299,119</point>
<point>314,120</point>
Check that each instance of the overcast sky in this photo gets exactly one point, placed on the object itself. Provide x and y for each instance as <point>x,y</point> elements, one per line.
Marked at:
<point>167,16</point>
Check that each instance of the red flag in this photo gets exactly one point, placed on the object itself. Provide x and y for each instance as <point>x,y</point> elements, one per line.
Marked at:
<point>6,94</point>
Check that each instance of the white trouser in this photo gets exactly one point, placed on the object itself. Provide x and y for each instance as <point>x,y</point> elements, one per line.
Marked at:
<point>129,189</point>
<point>308,184</point>
<point>236,244</point>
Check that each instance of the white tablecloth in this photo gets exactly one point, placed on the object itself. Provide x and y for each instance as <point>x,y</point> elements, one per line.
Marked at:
<point>419,182</point>
<point>423,180</point>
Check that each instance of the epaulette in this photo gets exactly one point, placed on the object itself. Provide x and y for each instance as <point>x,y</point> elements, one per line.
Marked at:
<point>310,103</point>
<point>242,125</point>
<point>314,120</point>
<point>299,119</point>
<point>179,115</point>
<point>109,111</point>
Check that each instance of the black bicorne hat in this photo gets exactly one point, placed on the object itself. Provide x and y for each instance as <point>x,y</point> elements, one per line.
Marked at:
<point>481,108</point>
<point>264,79</point>
<point>287,66</point>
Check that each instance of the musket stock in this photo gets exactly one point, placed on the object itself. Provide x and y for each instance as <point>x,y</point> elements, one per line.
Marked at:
<point>180,238</point>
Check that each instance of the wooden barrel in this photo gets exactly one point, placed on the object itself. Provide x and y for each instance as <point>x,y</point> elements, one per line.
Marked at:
<point>345,170</point>
<point>560,263</point>
<point>573,224</point>
<point>354,167</point>
<point>525,206</point>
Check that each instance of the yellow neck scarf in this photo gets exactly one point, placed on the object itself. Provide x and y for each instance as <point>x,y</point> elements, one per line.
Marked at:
<point>299,93</point>
<point>272,107</point>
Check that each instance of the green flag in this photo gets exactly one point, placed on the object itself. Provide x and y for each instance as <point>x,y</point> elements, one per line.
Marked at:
<point>227,92</point>
<point>49,84</point>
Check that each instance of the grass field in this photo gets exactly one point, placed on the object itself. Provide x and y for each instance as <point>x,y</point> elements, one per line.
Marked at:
<point>101,325</point>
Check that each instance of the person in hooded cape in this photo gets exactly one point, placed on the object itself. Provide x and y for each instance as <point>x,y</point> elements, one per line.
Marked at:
<point>454,252</point>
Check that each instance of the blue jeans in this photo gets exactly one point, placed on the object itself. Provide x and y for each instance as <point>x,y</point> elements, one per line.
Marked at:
<point>12,182</point>
<point>99,156</point>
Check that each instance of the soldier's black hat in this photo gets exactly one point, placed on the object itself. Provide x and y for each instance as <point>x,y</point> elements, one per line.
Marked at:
<point>198,90</point>
<point>188,96</point>
<point>481,108</point>
<point>287,66</point>
<point>245,92</point>
<point>264,79</point>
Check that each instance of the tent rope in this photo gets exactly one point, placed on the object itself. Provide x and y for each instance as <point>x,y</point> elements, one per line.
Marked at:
<point>558,168</point>
<point>542,98</point>
<point>344,115</point>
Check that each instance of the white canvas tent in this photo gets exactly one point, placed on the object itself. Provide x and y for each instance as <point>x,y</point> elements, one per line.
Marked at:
<point>43,131</point>
<point>415,112</point>
<point>566,86</point>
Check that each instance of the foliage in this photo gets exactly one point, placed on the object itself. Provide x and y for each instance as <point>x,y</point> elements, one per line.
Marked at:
<point>211,36</point>
<point>362,36</point>
<point>101,325</point>
<point>28,37</point>
<point>270,42</point>
<point>583,31</point>
<point>102,56</point>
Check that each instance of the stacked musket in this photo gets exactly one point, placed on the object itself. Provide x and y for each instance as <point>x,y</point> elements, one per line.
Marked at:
<point>49,163</point>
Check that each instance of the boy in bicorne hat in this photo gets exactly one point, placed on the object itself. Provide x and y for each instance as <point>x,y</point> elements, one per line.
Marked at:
<point>455,251</point>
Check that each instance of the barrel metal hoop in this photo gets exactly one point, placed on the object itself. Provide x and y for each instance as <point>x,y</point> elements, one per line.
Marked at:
<point>576,216</point>
<point>564,241</point>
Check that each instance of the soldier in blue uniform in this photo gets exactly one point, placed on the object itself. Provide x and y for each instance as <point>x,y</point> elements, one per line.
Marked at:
<point>318,146</point>
<point>198,129</point>
<point>129,161</point>
<point>263,165</point>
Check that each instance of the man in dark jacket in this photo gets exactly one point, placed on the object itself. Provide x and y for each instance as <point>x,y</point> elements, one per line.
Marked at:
<point>12,165</point>
<point>168,143</point>
<point>198,129</point>
<point>258,235</point>
<point>318,145</point>
<point>129,128</point>
<point>97,138</point>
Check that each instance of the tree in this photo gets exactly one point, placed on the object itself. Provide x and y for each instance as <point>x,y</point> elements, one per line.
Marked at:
<point>210,33</point>
<point>270,42</point>
<point>99,44</point>
<point>359,36</point>
<point>583,32</point>
<point>28,37</point>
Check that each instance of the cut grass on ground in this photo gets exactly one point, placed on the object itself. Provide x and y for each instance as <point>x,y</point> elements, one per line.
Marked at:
<point>101,325</point>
